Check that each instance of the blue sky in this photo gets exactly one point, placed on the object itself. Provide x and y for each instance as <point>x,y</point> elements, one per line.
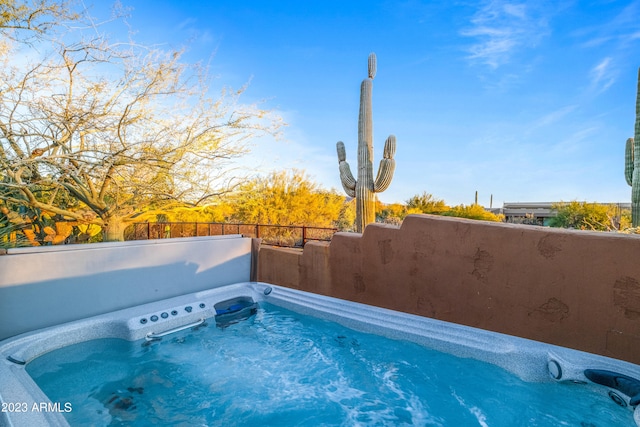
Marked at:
<point>525,101</point>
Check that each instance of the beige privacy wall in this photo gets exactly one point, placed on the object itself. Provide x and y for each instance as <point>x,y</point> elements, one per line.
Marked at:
<point>46,286</point>
<point>572,288</point>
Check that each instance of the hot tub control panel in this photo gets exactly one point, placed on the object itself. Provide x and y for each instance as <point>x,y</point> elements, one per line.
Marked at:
<point>171,313</point>
<point>191,314</point>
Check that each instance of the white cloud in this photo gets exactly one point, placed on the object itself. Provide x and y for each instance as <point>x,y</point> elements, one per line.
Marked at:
<point>574,142</point>
<point>602,75</point>
<point>501,29</point>
<point>553,117</point>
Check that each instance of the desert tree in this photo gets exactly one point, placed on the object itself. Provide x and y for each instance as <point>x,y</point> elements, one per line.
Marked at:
<point>426,203</point>
<point>287,197</point>
<point>590,216</point>
<point>106,131</point>
<point>26,20</point>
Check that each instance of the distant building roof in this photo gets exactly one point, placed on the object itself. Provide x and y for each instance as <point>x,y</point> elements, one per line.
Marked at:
<point>540,209</point>
<point>535,209</point>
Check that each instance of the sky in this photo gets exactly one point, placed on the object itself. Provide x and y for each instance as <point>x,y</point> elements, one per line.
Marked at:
<point>521,101</point>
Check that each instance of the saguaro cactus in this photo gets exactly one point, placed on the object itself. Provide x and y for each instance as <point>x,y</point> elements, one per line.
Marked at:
<point>364,189</point>
<point>632,164</point>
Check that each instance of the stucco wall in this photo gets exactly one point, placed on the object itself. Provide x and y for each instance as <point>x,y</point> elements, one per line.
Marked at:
<point>44,286</point>
<point>572,288</point>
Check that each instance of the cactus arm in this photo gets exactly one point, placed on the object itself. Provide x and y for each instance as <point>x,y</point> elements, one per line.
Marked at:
<point>385,175</point>
<point>387,166</point>
<point>346,177</point>
<point>628,161</point>
<point>372,64</point>
<point>348,182</point>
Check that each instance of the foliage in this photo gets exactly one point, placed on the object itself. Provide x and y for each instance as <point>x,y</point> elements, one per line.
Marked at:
<point>347,218</point>
<point>11,234</point>
<point>473,212</point>
<point>220,212</point>
<point>29,19</point>
<point>26,227</point>
<point>392,213</point>
<point>104,132</point>
<point>589,216</point>
<point>426,203</point>
<point>288,198</point>
<point>32,227</point>
<point>630,230</point>
<point>87,233</point>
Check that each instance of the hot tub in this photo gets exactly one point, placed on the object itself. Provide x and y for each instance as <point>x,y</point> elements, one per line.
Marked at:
<point>612,384</point>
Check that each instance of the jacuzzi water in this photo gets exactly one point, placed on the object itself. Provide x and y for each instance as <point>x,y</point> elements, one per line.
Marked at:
<point>284,368</point>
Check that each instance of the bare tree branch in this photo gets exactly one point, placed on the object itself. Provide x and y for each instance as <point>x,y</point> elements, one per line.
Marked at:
<point>115,127</point>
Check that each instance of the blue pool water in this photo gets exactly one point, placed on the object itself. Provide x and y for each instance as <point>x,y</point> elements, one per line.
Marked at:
<point>282,368</point>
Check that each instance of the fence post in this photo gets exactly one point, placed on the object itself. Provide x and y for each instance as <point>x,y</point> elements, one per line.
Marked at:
<point>255,249</point>
<point>304,235</point>
<point>257,231</point>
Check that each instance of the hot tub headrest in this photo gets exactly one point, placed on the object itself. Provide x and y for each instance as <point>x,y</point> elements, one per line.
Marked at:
<point>235,310</point>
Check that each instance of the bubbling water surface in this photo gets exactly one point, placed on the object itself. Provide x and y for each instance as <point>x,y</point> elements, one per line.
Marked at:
<point>280,368</point>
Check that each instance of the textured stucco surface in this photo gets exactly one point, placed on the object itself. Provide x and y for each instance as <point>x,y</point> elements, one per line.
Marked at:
<point>571,288</point>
